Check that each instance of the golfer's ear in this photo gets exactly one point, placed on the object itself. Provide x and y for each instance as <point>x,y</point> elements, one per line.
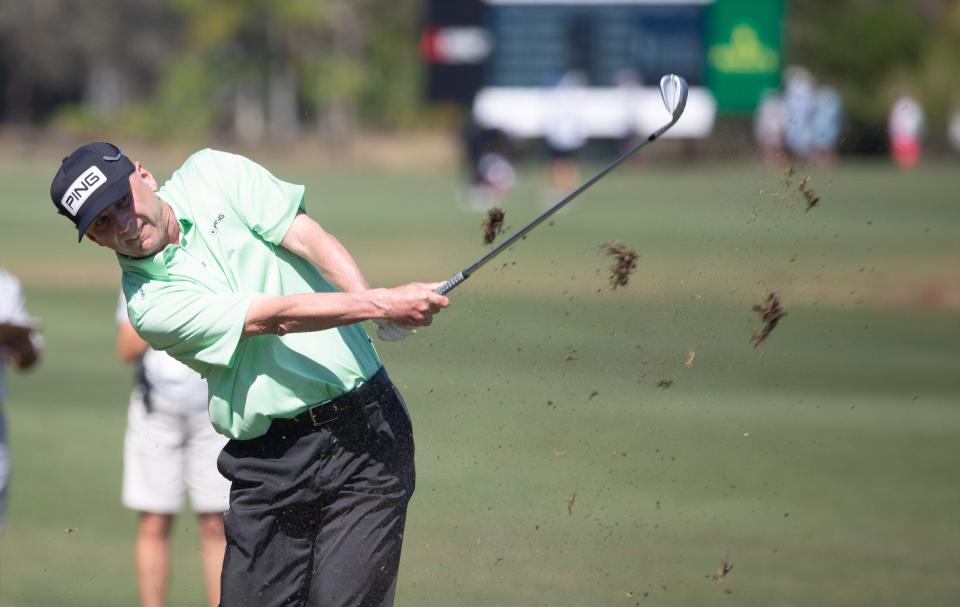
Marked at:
<point>145,175</point>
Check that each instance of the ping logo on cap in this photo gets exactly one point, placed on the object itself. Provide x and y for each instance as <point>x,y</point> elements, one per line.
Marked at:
<point>80,190</point>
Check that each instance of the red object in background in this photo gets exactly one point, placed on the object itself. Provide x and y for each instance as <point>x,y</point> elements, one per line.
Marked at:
<point>428,45</point>
<point>906,151</point>
<point>450,49</point>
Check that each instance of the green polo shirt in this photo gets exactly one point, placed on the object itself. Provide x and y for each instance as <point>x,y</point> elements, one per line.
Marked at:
<point>191,299</point>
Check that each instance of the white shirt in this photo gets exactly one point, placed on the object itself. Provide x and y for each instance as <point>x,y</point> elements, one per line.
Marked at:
<point>13,312</point>
<point>906,118</point>
<point>564,129</point>
<point>176,384</point>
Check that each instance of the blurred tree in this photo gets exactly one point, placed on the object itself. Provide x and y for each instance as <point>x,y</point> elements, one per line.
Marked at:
<point>105,53</point>
<point>29,69</point>
<point>269,55</point>
<point>870,49</point>
<point>284,60</point>
<point>393,92</point>
<point>938,70</point>
<point>253,68</point>
<point>273,68</point>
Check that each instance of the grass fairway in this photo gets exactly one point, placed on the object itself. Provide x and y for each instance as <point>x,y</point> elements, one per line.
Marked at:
<point>552,471</point>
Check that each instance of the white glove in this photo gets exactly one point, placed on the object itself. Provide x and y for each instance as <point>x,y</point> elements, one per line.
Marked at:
<point>388,331</point>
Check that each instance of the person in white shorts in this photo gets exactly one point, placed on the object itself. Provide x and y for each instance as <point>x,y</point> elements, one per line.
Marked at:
<point>20,345</point>
<point>170,448</point>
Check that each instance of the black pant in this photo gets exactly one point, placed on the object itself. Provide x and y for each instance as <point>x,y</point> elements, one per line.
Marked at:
<point>316,513</point>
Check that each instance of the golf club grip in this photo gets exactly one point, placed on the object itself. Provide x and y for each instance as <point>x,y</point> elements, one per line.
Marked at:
<point>451,284</point>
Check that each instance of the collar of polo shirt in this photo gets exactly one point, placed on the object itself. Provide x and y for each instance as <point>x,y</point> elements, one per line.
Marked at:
<point>156,264</point>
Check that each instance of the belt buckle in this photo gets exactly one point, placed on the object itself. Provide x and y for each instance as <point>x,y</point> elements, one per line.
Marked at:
<point>314,414</point>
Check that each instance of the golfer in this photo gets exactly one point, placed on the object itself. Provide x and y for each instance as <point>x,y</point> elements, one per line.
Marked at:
<point>224,270</point>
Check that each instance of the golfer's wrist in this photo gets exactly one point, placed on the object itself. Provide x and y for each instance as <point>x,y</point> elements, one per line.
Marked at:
<point>376,304</point>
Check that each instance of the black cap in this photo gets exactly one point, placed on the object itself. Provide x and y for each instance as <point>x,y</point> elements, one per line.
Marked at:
<point>92,178</point>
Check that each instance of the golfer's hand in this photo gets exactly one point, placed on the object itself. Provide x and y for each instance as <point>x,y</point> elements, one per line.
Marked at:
<point>411,305</point>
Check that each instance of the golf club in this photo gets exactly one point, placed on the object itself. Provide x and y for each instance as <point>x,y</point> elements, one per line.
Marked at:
<point>673,90</point>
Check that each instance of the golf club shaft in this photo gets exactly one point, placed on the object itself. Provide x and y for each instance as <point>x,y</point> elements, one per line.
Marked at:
<point>465,274</point>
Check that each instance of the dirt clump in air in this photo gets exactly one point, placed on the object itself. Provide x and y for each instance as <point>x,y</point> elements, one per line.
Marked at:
<point>770,311</point>
<point>493,224</point>
<point>721,573</point>
<point>624,263</point>
<point>809,194</point>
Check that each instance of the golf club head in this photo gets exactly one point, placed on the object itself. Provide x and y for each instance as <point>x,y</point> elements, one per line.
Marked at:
<point>673,89</point>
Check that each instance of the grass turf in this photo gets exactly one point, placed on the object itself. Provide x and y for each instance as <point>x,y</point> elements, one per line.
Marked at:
<point>551,468</point>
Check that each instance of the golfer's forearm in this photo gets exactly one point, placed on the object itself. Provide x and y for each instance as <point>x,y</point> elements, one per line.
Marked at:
<point>339,267</point>
<point>305,312</point>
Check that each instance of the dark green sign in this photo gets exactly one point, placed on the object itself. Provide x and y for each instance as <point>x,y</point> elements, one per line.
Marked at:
<point>744,52</point>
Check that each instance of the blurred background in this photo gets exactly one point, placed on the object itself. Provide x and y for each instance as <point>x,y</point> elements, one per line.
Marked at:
<point>577,444</point>
<point>255,72</point>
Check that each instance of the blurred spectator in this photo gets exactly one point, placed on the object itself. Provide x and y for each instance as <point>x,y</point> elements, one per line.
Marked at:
<point>170,448</point>
<point>20,344</point>
<point>800,102</point>
<point>564,131</point>
<point>487,154</point>
<point>953,129</point>
<point>905,127</point>
<point>769,123</point>
<point>629,84</point>
<point>827,118</point>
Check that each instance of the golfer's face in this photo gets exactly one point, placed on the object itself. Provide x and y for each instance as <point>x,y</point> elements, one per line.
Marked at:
<point>132,226</point>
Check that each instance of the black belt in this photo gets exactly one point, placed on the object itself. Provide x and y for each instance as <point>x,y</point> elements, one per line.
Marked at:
<point>345,404</point>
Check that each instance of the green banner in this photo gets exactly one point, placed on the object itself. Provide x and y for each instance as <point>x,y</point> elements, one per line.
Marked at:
<point>744,51</point>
